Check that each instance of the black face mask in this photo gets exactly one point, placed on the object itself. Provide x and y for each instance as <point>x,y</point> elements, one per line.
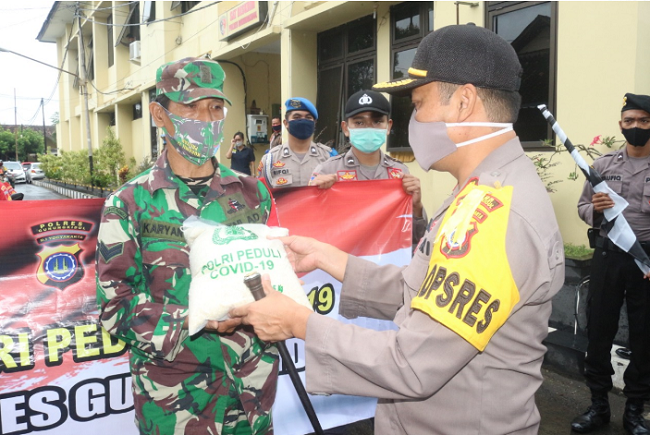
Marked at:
<point>636,136</point>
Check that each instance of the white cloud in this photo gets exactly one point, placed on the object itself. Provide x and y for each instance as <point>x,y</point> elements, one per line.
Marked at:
<point>20,23</point>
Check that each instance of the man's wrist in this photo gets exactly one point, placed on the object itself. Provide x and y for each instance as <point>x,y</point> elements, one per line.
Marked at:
<point>299,323</point>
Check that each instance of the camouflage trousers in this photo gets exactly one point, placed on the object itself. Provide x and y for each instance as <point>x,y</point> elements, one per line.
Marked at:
<point>229,393</point>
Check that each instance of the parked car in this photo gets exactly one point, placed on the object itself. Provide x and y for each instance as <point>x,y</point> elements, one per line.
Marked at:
<point>16,172</point>
<point>33,171</point>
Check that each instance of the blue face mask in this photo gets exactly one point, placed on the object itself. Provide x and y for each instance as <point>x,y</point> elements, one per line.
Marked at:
<point>301,128</point>
<point>367,140</point>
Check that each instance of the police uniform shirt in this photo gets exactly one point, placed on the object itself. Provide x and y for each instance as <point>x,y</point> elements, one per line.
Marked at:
<point>630,178</point>
<point>281,167</point>
<point>348,168</point>
<point>429,379</point>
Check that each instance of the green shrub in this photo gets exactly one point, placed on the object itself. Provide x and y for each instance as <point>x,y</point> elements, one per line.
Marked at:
<point>577,252</point>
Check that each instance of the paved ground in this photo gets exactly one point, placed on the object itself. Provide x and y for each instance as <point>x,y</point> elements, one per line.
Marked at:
<point>33,192</point>
<point>559,400</point>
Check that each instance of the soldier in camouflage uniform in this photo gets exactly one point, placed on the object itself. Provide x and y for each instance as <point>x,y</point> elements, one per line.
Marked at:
<point>223,379</point>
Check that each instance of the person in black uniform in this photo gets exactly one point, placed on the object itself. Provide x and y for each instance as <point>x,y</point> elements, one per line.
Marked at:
<point>616,277</point>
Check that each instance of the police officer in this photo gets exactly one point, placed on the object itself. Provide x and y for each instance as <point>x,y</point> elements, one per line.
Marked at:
<point>291,164</point>
<point>367,125</point>
<point>615,276</point>
<point>472,307</point>
<point>276,136</point>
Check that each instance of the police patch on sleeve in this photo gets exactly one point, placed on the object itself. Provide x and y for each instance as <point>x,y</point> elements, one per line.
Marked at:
<point>469,286</point>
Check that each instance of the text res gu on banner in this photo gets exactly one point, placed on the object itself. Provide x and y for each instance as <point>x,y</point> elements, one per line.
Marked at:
<point>61,373</point>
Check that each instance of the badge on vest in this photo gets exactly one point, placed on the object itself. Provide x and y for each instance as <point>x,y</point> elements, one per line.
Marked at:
<point>237,211</point>
<point>282,180</point>
<point>394,173</point>
<point>346,175</point>
<point>469,286</point>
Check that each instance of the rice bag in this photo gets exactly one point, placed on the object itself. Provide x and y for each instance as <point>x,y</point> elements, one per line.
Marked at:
<point>220,257</point>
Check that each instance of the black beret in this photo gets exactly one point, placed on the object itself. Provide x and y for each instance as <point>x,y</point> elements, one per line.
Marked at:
<point>461,54</point>
<point>636,102</point>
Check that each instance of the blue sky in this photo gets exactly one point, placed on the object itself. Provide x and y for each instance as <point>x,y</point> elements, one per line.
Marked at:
<point>20,23</point>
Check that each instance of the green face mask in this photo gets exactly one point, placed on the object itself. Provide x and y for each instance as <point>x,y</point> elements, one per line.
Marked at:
<point>197,141</point>
<point>367,140</point>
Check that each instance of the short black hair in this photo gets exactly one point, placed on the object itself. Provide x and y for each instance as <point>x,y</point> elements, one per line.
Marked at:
<point>163,100</point>
<point>376,116</point>
<point>239,133</point>
<point>500,105</point>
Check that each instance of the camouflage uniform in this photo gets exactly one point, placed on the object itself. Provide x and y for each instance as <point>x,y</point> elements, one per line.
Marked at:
<point>207,383</point>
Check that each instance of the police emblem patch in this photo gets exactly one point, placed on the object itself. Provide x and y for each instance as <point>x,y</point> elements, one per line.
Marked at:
<point>394,173</point>
<point>60,266</point>
<point>365,99</point>
<point>347,175</point>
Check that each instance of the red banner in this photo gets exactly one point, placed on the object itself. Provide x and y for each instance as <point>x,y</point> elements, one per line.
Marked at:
<point>62,373</point>
<point>336,215</point>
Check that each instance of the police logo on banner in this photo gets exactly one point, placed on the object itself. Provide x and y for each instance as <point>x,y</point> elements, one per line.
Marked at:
<point>59,265</point>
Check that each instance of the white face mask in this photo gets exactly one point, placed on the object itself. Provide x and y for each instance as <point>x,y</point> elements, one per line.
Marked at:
<point>431,143</point>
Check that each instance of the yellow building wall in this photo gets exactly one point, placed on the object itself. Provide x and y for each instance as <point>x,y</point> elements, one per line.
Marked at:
<point>601,54</point>
<point>595,68</point>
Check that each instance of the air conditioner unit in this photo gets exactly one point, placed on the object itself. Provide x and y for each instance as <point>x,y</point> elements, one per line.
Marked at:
<point>134,51</point>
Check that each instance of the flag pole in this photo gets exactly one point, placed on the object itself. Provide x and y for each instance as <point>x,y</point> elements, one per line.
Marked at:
<point>614,223</point>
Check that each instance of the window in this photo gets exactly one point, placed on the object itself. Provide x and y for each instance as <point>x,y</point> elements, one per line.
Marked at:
<point>149,12</point>
<point>131,30</point>
<point>531,28</point>
<point>90,68</point>
<point>137,111</point>
<point>111,53</point>
<point>153,130</point>
<point>410,22</point>
<point>185,6</point>
<point>346,64</point>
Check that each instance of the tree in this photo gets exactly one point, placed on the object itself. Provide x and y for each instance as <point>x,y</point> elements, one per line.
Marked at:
<point>108,160</point>
<point>7,145</point>
<point>29,142</point>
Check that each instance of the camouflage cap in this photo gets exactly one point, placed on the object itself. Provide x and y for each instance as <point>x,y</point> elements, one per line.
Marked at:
<point>191,79</point>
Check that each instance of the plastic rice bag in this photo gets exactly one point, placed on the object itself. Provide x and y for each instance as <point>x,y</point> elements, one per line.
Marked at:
<point>220,257</point>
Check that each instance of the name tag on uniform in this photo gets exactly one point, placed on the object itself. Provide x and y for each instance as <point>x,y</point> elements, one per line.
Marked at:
<point>153,229</point>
